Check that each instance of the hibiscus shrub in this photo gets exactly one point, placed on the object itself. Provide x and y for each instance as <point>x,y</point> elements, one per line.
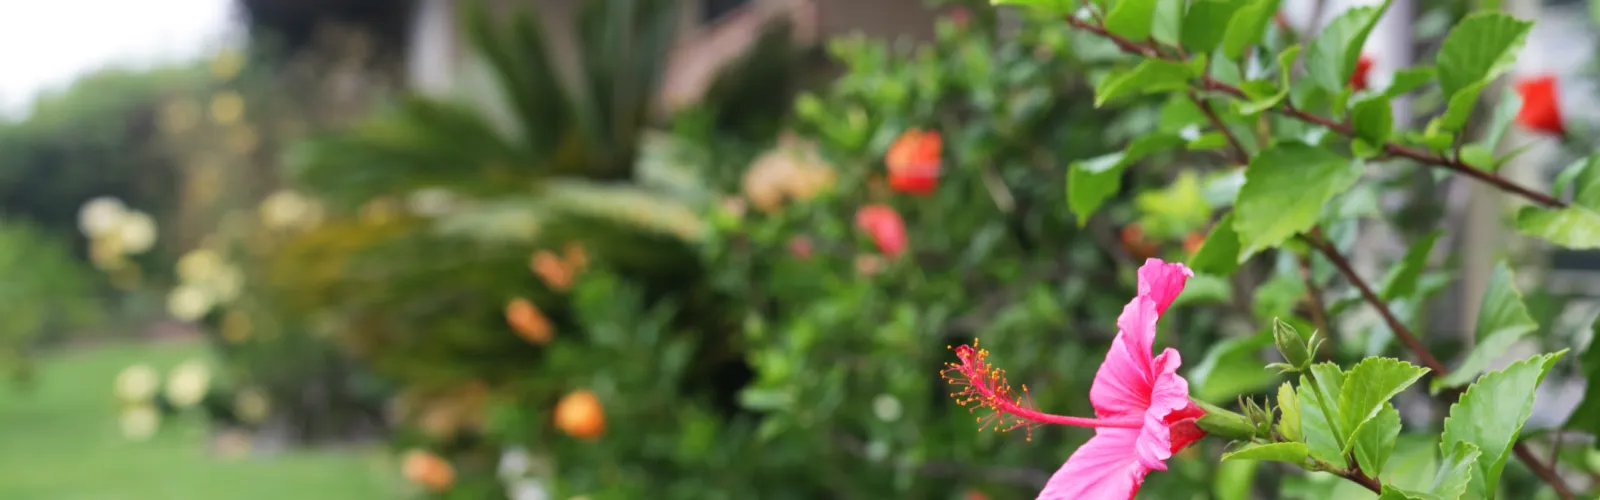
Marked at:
<point>1299,132</point>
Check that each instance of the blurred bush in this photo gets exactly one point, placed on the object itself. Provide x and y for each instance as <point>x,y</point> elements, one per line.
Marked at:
<point>42,289</point>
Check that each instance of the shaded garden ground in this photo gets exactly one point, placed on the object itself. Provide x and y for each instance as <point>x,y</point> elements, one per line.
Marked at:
<point>61,440</point>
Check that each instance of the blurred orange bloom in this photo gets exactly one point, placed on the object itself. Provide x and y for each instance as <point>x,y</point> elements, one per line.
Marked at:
<point>552,271</point>
<point>580,415</point>
<point>528,322</point>
<point>428,470</point>
<point>913,162</point>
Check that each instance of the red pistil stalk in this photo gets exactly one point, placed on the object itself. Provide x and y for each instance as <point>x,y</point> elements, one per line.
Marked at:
<point>986,386</point>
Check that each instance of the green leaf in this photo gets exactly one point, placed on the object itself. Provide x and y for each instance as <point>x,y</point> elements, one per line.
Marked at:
<point>1289,413</point>
<point>1316,419</point>
<point>1234,480</point>
<point>1150,76</point>
<point>1285,189</point>
<point>1505,112</point>
<point>1367,387</point>
<point>1570,174</point>
<point>1490,415</point>
<point>1132,19</point>
<point>1574,227</point>
<point>1294,453</point>
<point>1219,255</point>
<point>1045,6</point>
<point>1455,472</point>
<point>1502,320</point>
<point>1090,182</point>
<point>1413,463</point>
<point>1586,417</point>
<point>1482,46</point>
<point>1167,25</point>
<point>1375,441</point>
<point>1333,54</point>
<point>1206,23</point>
<point>1372,121</point>
<point>1392,493</point>
<point>1246,27</point>
<point>1230,368</point>
<point>1260,95</point>
<point>1403,277</point>
<point>1407,80</point>
<point>1458,110</point>
<point>1586,188</point>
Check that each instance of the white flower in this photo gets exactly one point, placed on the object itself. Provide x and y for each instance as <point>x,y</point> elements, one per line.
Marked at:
<point>514,463</point>
<point>198,265</point>
<point>226,284</point>
<point>188,384</point>
<point>189,302</point>
<point>100,215</point>
<point>886,407</point>
<point>137,232</point>
<point>527,489</point>
<point>431,202</point>
<point>286,208</point>
<point>139,422</point>
<point>137,383</point>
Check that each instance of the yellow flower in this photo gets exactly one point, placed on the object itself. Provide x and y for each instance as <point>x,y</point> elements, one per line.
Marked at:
<point>198,265</point>
<point>140,421</point>
<point>227,107</point>
<point>286,209</point>
<point>137,383</point>
<point>188,384</point>
<point>137,230</point>
<point>189,302</point>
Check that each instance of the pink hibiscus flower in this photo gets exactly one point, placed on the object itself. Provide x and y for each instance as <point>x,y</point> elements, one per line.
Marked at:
<point>1142,409</point>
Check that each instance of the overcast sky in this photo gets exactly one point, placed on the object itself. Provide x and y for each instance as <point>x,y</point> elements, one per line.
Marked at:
<point>44,44</point>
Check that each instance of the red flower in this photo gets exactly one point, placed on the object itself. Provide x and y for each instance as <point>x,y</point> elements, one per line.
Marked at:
<point>885,227</point>
<point>913,162</point>
<point>800,247</point>
<point>1541,106</point>
<point>1358,79</point>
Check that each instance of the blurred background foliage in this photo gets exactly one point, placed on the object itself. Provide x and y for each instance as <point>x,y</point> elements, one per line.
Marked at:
<point>550,285</point>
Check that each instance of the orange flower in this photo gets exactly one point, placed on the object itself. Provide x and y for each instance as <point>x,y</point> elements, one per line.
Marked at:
<point>1541,106</point>
<point>913,162</point>
<point>580,415</point>
<point>528,322</point>
<point>428,470</point>
<point>1358,79</point>
<point>1134,241</point>
<point>552,270</point>
<point>577,258</point>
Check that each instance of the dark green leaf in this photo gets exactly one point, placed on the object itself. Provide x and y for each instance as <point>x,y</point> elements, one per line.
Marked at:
<point>1586,418</point>
<point>1402,278</point>
<point>1247,26</point>
<point>1132,19</point>
<point>1219,255</point>
<point>1407,80</point>
<point>1372,121</point>
<point>1090,182</point>
<point>1230,368</point>
<point>1285,190</point>
<point>1206,23</point>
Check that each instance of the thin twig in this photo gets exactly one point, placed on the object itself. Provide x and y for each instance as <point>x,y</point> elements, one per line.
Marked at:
<point>1241,155</point>
<point>1392,148</point>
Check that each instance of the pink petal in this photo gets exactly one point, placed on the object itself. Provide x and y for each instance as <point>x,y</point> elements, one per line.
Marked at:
<point>1169,395</point>
<point>1162,282</point>
<point>1122,385</point>
<point>1105,468</point>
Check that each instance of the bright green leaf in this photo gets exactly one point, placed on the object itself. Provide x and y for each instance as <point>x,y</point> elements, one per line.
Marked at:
<point>1372,121</point>
<point>1132,19</point>
<point>1367,387</point>
<point>1403,277</point>
<point>1505,112</point>
<point>1288,413</point>
<point>1206,23</point>
<point>1407,80</point>
<point>1574,227</point>
<point>1570,174</point>
<point>1317,419</point>
<point>1456,471</point>
<point>1375,441</point>
<point>1294,453</point>
<point>1246,27</point>
<point>1458,110</point>
<point>1167,25</point>
<point>1234,480</point>
<point>1285,189</point>
<point>1490,415</point>
<point>1150,76</point>
<point>1219,254</point>
<point>1482,46</point>
<point>1230,368</point>
<point>1333,54</point>
<point>1090,182</point>
<point>1503,319</point>
<point>1260,94</point>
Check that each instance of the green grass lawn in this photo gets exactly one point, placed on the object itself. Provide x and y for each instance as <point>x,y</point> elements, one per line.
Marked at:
<point>61,441</point>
